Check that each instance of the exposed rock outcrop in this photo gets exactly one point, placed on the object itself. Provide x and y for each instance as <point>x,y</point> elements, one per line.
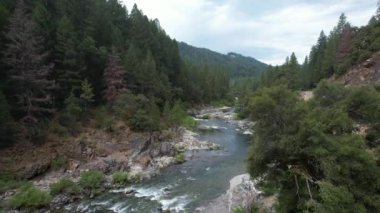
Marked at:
<point>242,193</point>
<point>367,73</point>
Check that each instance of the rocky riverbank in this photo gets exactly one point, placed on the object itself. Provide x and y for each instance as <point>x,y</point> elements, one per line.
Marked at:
<point>142,156</point>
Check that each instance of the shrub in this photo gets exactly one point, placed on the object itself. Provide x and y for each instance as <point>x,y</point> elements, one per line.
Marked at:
<point>58,163</point>
<point>91,180</point>
<point>8,181</point>
<point>189,122</point>
<point>65,185</point>
<point>29,197</point>
<point>138,177</point>
<point>180,157</point>
<point>120,178</point>
<point>103,119</point>
<point>57,129</point>
<point>364,104</point>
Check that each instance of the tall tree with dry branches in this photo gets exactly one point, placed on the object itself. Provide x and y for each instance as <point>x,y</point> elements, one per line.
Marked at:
<point>114,78</point>
<point>28,70</point>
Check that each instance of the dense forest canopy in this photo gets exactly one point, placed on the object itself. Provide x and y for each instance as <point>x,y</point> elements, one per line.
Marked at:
<point>66,64</point>
<point>322,154</point>
<point>57,55</point>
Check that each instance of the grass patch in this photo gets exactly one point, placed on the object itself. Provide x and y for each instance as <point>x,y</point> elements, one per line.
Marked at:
<point>120,178</point>
<point>65,185</point>
<point>58,163</point>
<point>189,122</point>
<point>8,182</point>
<point>138,177</point>
<point>180,157</point>
<point>29,196</point>
<point>91,180</point>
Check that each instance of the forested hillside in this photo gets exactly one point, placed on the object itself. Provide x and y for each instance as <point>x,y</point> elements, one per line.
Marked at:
<point>238,65</point>
<point>322,153</point>
<point>60,59</point>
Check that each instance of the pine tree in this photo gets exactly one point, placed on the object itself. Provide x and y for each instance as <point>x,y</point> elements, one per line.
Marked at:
<point>87,95</point>
<point>114,78</point>
<point>27,69</point>
<point>69,64</point>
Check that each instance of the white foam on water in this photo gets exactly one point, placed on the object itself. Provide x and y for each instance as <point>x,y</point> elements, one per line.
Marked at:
<point>191,178</point>
<point>154,193</point>
<point>118,207</point>
<point>83,207</point>
<point>175,204</point>
<point>247,132</point>
<point>125,190</point>
<point>104,203</point>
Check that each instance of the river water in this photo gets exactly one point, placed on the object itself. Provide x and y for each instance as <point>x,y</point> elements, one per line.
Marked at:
<point>182,188</point>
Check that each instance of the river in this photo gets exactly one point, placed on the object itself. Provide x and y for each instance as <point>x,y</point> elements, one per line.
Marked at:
<point>182,188</point>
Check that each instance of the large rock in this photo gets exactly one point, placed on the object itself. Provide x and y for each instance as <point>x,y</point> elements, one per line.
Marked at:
<point>242,193</point>
<point>33,170</point>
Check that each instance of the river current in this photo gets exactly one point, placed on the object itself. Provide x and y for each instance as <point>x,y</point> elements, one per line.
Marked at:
<point>182,188</point>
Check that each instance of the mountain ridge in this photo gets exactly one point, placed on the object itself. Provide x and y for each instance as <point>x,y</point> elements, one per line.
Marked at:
<point>237,64</point>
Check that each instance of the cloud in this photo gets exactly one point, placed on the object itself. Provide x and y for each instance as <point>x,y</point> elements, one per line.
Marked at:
<point>267,30</point>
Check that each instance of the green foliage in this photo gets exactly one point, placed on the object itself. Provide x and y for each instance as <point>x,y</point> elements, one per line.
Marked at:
<point>329,94</point>
<point>335,199</point>
<point>8,181</point>
<point>364,104</point>
<point>65,185</point>
<point>138,111</point>
<point>180,157</point>
<point>91,180</point>
<point>189,122</point>
<point>58,163</point>
<point>120,178</point>
<point>104,119</point>
<point>87,95</point>
<point>309,152</point>
<point>29,196</point>
<point>8,128</point>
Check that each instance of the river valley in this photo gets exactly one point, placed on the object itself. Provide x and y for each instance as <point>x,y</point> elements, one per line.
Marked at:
<point>203,177</point>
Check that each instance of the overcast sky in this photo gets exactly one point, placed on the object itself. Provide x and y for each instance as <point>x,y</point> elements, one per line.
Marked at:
<point>268,30</point>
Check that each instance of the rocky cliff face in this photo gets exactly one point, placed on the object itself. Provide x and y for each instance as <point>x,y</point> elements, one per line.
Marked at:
<point>367,73</point>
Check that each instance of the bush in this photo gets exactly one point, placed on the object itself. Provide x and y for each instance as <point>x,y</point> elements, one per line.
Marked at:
<point>29,197</point>
<point>189,122</point>
<point>58,163</point>
<point>329,94</point>
<point>91,180</point>
<point>8,181</point>
<point>120,178</point>
<point>65,185</point>
<point>57,129</point>
<point>103,119</point>
<point>364,104</point>
<point>180,157</point>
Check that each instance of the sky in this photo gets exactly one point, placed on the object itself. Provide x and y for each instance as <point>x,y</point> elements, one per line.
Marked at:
<point>268,30</point>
